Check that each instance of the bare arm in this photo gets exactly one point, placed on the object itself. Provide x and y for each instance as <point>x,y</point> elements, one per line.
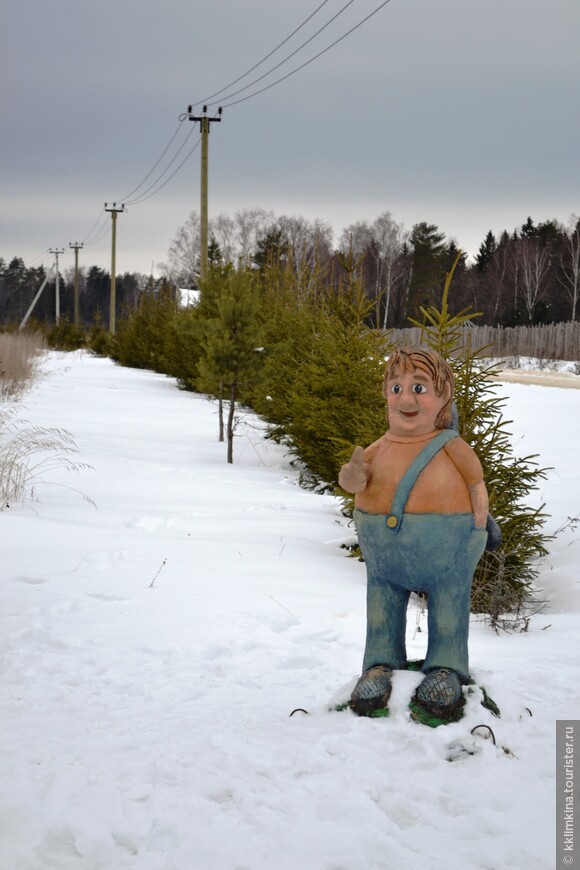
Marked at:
<point>479,504</point>
<point>469,466</point>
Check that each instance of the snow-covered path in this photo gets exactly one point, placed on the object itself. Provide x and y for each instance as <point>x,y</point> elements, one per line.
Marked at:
<point>151,651</point>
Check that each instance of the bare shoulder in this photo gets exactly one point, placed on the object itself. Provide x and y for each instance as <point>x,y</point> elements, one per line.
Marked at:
<point>371,450</point>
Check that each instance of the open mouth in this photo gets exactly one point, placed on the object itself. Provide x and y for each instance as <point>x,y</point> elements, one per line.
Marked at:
<point>409,413</point>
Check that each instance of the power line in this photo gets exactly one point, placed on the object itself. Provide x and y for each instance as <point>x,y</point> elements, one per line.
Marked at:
<point>93,230</point>
<point>306,63</point>
<point>282,62</point>
<point>143,196</point>
<point>265,58</point>
<point>41,257</point>
<point>101,235</point>
<point>157,162</point>
<point>155,186</point>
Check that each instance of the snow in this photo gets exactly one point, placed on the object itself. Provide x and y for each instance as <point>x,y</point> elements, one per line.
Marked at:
<point>154,643</point>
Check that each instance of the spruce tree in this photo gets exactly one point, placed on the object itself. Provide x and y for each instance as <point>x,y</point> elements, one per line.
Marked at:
<point>230,357</point>
<point>322,383</point>
<point>503,586</point>
<point>145,338</point>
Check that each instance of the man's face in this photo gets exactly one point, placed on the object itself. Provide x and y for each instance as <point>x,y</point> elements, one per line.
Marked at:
<point>413,403</point>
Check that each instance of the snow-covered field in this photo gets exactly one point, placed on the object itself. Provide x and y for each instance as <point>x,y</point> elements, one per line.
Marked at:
<point>153,647</point>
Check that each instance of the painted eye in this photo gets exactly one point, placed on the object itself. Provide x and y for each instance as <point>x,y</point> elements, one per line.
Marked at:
<point>419,388</point>
<point>396,388</point>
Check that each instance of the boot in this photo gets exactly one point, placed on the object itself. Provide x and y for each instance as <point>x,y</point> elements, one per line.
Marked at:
<point>373,690</point>
<point>440,693</point>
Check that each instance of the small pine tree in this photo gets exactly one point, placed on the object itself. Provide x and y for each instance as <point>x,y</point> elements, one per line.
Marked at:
<point>145,338</point>
<point>230,359</point>
<point>504,579</point>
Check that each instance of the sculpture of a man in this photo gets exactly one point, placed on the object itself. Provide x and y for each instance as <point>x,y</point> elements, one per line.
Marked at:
<point>421,508</point>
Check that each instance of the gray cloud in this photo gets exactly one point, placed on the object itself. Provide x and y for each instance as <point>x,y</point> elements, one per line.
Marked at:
<point>460,112</point>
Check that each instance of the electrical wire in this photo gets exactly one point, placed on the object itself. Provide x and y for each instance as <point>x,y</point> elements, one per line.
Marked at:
<point>306,63</point>
<point>103,232</point>
<point>287,58</point>
<point>156,164</point>
<point>94,230</point>
<point>167,180</point>
<point>160,176</point>
<point>41,257</point>
<point>264,59</point>
<point>155,187</point>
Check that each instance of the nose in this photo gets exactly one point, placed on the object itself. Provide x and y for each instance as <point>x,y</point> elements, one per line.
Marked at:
<point>407,399</point>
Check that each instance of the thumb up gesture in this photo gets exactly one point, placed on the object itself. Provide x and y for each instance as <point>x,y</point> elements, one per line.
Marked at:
<point>353,476</point>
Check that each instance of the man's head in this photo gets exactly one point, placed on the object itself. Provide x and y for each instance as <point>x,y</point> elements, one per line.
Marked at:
<point>426,363</point>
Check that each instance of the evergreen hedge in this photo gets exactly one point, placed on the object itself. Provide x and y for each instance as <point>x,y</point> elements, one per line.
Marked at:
<point>313,369</point>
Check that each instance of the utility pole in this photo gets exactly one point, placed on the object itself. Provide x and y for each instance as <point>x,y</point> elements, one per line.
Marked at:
<point>56,252</point>
<point>35,300</point>
<point>114,209</point>
<point>204,122</point>
<point>75,248</point>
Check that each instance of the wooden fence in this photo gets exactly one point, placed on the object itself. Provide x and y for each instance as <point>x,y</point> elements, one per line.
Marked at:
<point>549,341</point>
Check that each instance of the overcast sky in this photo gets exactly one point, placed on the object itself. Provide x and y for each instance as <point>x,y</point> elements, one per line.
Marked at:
<point>462,113</point>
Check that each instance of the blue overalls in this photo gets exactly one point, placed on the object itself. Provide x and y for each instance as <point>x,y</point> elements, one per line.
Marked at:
<point>432,553</point>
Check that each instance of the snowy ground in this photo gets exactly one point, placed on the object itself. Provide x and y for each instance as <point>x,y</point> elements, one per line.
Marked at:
<point>152,648</point>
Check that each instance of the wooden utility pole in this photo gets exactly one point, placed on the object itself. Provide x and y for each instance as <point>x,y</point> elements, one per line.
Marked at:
<point>204,122</point>
<point>76,247</point>
<point>114,209</point>
<point>57,252</point>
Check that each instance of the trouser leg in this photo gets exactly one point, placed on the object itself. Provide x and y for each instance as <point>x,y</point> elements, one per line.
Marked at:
<point>448,611</point>
<point>386,624</point>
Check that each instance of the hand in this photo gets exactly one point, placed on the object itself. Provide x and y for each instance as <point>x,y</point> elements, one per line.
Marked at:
<point>354,475</point>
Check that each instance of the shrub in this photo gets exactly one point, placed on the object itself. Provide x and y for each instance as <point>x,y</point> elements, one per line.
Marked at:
<point>145,339</point>
<point>321,384</point>
<point>19,358</point>
<point>66,336</point>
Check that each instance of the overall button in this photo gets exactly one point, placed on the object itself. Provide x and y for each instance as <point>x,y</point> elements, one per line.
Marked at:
<point>392,521</point>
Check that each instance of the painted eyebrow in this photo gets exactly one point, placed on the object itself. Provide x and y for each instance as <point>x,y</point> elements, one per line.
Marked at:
<point>416,377</point>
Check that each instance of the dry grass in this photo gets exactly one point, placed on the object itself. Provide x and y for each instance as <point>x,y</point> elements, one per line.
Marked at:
<point>27,453</point>
<point>19,362</point>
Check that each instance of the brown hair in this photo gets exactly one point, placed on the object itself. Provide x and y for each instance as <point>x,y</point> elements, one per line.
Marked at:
<point>409,359</point>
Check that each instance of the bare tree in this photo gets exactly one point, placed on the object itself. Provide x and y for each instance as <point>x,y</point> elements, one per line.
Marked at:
<point>381,243</point>
<point>250,223</point>
<point>223,229</point>
<point>308,243</point>
<point>535,265</point>
<point>391,271</point>
<point>570,262</point>
<point>356,238</point>
<point>183,256</point>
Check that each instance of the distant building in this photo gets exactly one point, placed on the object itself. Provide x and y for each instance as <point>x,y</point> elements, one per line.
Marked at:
<point>189,297</point>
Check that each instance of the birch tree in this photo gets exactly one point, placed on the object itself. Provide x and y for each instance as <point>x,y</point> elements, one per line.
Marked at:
<point>570,263</point>
<point>535,265</point>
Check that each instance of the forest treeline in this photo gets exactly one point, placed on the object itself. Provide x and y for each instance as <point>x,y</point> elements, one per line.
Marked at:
<point>526,277</point>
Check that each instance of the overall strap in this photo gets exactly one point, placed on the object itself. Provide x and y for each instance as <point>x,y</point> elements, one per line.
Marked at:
<point>409,478</point>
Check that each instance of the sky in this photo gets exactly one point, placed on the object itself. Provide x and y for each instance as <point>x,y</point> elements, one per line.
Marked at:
<point>461,113</point>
